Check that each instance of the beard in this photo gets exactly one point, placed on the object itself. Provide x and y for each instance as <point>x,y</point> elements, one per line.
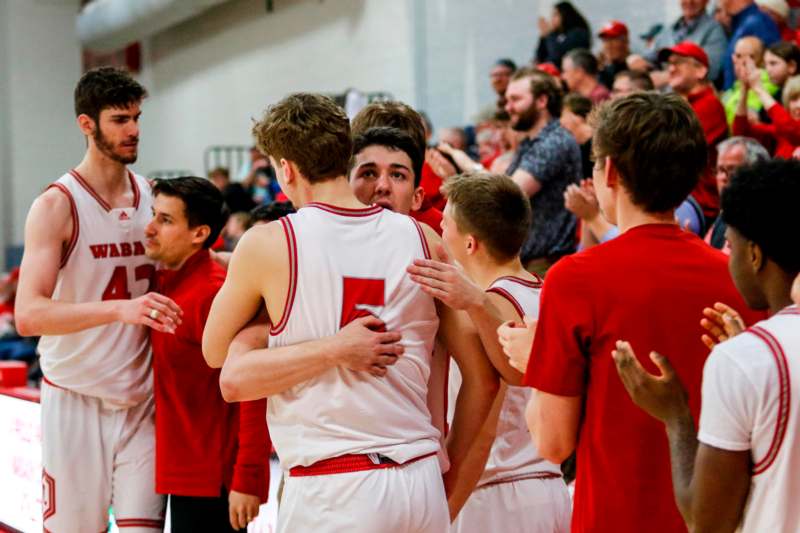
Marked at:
<point>109,149</point>
<point>526,119</point>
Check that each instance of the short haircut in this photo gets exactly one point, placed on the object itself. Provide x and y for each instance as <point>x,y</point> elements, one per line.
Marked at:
<point>791,90</point>
<point>311,131</point>
<point>393,139</point>
<point>492,208</point>
<point>391,114</point>
<point>271,212</point>
<point>203,203</point>
<point>754,151</point>
<point>222,171</point>
<point>641,80</point>
<point>507,63</point>
<point>543,83</point>
<point>584,60</point>
<point>656,143</point>
<point>578,104</point>
<point>760,202</point>
<point>106,87</point>
<point>759,48</point>
<point>786,51</point>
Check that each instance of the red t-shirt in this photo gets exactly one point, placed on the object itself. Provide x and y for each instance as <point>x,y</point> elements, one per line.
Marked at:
<point>203,443</point>
<point>712,118</point>
<point>649,287</point>
<point>783,133</point>
<point>430,183</point>
<point>430,216</point>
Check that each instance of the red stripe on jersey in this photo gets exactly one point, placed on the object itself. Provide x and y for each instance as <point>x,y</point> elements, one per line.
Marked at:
<point>536,284</point>
<point>75,223</point>
<point>89,189</point>
<point>508,296</point>
<point>346,211</point>
<point>425,249</point>
<point>784,398</point>
<point>291,244</point>
<point>135,188</point>
<point>791,310</point>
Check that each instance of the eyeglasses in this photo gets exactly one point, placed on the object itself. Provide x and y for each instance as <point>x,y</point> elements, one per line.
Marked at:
<point>721,169</point>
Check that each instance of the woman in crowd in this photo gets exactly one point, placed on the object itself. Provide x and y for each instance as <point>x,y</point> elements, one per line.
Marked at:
<point>566,30</point>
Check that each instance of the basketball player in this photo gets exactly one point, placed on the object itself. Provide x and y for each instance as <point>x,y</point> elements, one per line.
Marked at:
<point>347,392</point>
<point>744,472</point>
<point>485,224</point>
<point>84,289</point>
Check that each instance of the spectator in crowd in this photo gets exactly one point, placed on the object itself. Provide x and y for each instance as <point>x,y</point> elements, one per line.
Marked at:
<point>650,151</point>
<point>629,82</point>
<point>237,225</point>
<point>616,50</point>
<point>739,471</point>
<point>574,119</point>
<point>697,26</point>
<point>747,50</point>
<point>214,467</point>
<point>455,137</point>
<point>732,154</point>
<point>499,76</point>
<point>781,61</point>
<point>546,161</point>
<point>236,197</point>
<point>579,71</point>
<point>746,19</point>
<point>403,117</point>
<point>264,214</point>
<point>688,77</point>
<point>778,11</point>
<point>782,134</point>
<point>566,30</point>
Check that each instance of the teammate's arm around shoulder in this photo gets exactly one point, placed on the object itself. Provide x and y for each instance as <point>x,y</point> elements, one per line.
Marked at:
<point>36,312</point>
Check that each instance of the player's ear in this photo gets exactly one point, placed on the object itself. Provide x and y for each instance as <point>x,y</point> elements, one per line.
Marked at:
<point>612,174</point>
<point>290,171</point>
<point>472,244</point>
<point>86,124</point>
<point>419,196</point>
<point>757,258</point>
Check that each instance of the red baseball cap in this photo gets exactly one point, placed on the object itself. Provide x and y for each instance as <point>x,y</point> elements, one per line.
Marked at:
<point>612,29</point>
<point>686,49</point>
<point>549,68</point>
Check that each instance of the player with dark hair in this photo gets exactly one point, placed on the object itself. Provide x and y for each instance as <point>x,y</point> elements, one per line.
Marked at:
<point>742,475</point>
<point>84,289</point>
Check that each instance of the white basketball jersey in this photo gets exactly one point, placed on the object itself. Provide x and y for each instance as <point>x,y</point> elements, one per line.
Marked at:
<point>105,260</point>
<point>751,386</point>
<point>347,263</point>
<point>513,454</point>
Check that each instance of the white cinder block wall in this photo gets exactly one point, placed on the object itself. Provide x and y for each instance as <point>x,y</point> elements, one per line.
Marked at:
<point>208,77</point>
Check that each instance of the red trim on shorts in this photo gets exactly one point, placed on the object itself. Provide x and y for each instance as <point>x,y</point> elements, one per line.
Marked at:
<point>537,284</point>
<point>508,296</point>
<point>521,477</point>
<point>49,484</point>
<point>45,380</point>
<point>425,249</point>
<point>346,211</point>
<point>291,244</point>
<point>784,398</point>
<point>76,228</point>
<point>350,463</point>
<point>140,522</point>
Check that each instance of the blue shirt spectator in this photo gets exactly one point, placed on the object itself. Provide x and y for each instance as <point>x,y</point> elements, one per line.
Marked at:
<point>748,21</point>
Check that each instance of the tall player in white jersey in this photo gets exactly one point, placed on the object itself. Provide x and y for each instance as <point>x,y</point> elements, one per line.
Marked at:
<point>348,361</point>
<point>485,223</point>
<point>741,470</point>
<point>83,288</point>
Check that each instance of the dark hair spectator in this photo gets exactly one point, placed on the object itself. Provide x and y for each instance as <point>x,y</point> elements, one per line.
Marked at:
<point>781,61</point>
<point>631,81</point>
<point>566,30</point>
<point>574,119</point>
<point>269,213</point>
<point>579,71</point>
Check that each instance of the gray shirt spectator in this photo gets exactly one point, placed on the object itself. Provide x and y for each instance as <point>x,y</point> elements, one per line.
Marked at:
<point>553,156</point>
<point>702,30</point>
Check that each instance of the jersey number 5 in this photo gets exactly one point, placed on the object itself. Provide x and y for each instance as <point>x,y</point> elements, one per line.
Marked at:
<point>117,288</point>
<point>358,292</point>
